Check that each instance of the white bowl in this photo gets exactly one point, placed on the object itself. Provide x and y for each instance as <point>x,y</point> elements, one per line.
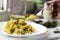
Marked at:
<point>40,30</point>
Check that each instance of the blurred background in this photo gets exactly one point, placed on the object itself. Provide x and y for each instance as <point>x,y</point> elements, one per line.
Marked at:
<point>19,7</point>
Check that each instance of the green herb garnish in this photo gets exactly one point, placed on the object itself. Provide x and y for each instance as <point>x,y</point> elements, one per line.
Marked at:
<point>50,24</point>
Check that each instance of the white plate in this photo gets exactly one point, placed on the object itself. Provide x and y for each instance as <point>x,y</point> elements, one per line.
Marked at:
<point>39,30</point>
